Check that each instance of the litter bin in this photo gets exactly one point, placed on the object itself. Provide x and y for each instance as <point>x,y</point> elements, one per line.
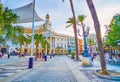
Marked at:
<point>50,56</point>
<point>8,56</point>
<point>30,62</point>
<point>45,57</point>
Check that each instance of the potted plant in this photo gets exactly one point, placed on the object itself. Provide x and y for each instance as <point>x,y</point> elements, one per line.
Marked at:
<point>72,55</point>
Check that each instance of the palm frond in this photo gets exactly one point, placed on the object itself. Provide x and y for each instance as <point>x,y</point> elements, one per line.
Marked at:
<point>70,20</point>
<point>69,25</point>
<point>81,18</point>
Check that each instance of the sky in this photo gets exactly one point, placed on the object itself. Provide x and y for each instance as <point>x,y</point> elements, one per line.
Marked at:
<point>60,12</point>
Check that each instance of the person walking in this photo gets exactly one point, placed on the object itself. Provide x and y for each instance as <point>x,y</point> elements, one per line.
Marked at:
<point>40,55</point>
<point>0,54</point>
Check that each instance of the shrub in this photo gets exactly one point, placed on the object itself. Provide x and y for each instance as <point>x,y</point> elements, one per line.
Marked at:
<point>72,55</point>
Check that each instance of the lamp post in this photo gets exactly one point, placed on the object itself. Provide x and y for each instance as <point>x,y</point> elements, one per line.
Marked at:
<point>85,33</point>
<point>47,20</point>
<point>32,41</point>
<point>87,59</point>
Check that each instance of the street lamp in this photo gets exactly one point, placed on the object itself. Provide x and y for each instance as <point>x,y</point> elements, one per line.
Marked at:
<point>32,41</point>
<point>85,34</point>
<point>87,60</point>
<point>47,20</point>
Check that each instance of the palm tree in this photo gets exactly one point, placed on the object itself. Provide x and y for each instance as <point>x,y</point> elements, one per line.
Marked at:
<point>2,40</point>
<point>74,28</point>
<point>81,18</point>
<point>90,42</point>
<point>22,40</point>
<point>12,33</point>
<point>16,35</point>
<point>98,34</point>
<point>39,39</point>
<point>70,22</point>
<point>7,18</point>
<point>1,15</point>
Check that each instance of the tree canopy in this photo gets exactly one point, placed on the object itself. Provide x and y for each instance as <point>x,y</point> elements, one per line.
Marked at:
<point>114,33</point>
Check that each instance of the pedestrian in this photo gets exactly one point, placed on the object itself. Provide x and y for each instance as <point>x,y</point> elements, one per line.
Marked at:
<point>43,56</point>
<point>92,56</point>
<point>0,54</point>
<point>8,55</point>
<point>40,55</point>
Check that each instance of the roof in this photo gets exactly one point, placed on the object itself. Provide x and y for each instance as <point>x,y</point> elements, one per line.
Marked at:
<point>26,13</point>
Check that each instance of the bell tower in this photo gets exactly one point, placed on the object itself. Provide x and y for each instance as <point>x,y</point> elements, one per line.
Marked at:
<point>48,18</point>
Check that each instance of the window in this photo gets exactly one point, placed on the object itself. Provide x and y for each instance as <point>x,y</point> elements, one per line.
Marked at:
<point>65,46</point>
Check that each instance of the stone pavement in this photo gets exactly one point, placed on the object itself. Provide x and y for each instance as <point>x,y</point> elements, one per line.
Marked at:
<point>86,74</point>
<point>54,70</point>
<point>12,59</point>
<point>14,66</point>
<point>57,69</point>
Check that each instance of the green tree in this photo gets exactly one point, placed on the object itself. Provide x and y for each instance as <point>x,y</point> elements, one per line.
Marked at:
<point>16,35</point>
<point>1,15</point>
<point>98,34</point>
<point>74,28</point>
<point>2,40</point>
<point>70,22</point>
<point>81,18</point>
<point>7,18</point>
<point>105,41</point>
<point>40,40</point>
<point>114,32</point>
<point>22,40</point>
<point>90,42</point>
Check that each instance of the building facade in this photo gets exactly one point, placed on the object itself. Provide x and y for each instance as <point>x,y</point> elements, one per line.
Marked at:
<point>59,43</point>
<point>80,46</point>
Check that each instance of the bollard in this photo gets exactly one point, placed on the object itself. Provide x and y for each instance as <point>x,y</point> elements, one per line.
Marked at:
<point>50,56</point>
<point>8,56</point>
<point>30,62</point>
<point>53,55</point>
<point>45,57</point>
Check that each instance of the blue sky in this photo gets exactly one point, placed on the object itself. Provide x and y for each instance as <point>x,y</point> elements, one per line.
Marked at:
<point>60,12</point>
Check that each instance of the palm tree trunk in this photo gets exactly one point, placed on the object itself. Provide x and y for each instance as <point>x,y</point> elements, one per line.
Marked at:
<point>98,34</point>
<point>36,54</point>
<point>20,54</point>
<point>74,28</point>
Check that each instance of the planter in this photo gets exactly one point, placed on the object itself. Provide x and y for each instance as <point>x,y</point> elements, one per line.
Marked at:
<point>113,75</point>
<point>86,62</point>
<point>72,57</point>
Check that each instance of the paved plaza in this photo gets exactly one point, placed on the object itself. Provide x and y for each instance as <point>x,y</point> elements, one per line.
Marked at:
<point>57,69</point>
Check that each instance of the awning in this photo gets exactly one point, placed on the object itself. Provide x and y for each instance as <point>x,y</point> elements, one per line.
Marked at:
<point>25,13</point>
